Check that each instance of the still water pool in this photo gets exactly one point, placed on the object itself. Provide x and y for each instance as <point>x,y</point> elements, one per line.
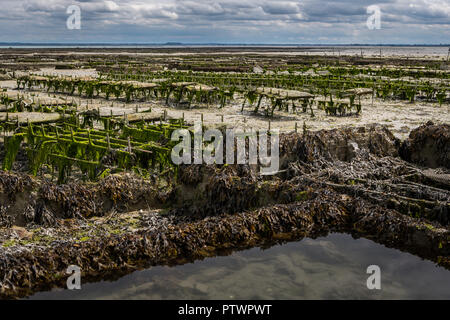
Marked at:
<point>333,267</point>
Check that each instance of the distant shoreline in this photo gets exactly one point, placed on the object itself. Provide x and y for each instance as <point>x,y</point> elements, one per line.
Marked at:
<point>205,45</point>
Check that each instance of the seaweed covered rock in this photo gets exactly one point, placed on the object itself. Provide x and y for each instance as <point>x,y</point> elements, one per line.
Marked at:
<point>213,190</point>
<point>339,144</point>
<point>24,200</point>
<point>428,145</point>
<point>346,180</point>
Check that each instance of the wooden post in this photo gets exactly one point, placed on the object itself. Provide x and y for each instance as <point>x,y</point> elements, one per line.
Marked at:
<point>125,118</point>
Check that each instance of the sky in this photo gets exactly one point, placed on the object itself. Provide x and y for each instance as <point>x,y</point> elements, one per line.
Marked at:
<point>226,21</point>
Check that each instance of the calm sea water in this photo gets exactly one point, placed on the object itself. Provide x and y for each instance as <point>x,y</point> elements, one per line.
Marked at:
<point>326,268</point>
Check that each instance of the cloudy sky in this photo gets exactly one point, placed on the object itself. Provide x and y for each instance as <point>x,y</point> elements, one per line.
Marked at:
<point>226,21</point>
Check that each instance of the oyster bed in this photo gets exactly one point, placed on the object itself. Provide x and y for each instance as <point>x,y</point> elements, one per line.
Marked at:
<point>361,181</point>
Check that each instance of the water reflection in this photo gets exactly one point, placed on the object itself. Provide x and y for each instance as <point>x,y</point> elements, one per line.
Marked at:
<point>327,268</point>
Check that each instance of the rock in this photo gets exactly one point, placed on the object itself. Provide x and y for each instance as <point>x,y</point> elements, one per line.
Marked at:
<point>344,144</point>
<point>258,70</point>
<point>323,73</point>
<point>428,145</point>
<point>21,233</point>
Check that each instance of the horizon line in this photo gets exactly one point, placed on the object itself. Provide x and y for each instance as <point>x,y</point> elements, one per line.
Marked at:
<point>216,44</point>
